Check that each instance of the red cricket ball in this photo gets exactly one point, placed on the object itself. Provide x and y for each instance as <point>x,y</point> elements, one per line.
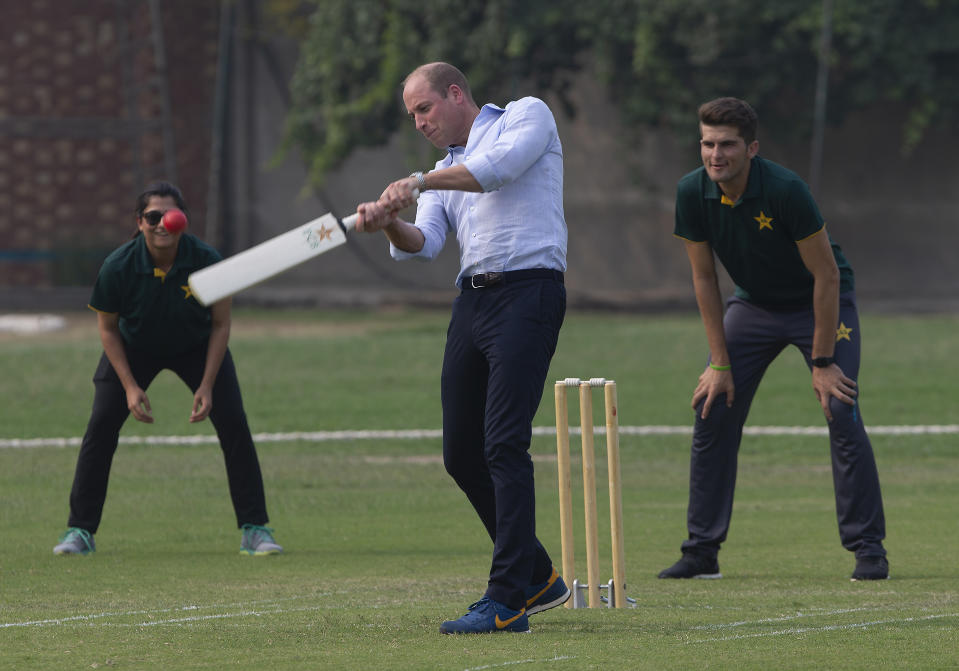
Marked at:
<point>174,220</point>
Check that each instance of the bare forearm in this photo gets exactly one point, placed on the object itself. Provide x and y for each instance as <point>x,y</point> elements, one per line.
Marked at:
<point>817,256</point>
<point>454,178</point>
<point>710,302</point>
<point>826,314</point>
<point>405,236</point>
<point>116,353</point>
<point>216,350</point>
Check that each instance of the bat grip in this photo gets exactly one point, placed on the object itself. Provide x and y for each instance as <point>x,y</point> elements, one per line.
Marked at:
<point>349,223</point>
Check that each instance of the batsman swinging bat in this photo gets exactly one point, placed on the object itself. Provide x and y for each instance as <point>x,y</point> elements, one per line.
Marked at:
<point>270,258</point>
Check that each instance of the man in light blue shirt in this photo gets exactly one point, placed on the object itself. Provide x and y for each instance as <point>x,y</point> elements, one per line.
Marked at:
<point>500,191</point>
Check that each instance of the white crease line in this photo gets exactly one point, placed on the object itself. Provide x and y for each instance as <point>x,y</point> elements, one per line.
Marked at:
<point>130,613</point>
<point>784,618</point>
<point>435,434</point>
<point>519,661</point>
<point>825,628</point>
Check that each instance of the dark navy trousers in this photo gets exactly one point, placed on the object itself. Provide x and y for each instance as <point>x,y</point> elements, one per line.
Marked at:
<point>498,349</point>
<point>110,411</point>
<point>754,337</point>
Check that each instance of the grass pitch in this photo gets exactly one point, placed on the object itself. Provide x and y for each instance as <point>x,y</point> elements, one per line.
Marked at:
<point>381,546</point>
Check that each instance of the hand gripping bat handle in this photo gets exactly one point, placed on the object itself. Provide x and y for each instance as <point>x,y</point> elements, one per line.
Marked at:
<point>349,223</point>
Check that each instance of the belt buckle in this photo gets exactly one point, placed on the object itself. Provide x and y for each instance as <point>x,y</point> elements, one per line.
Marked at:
<point>486,280</point>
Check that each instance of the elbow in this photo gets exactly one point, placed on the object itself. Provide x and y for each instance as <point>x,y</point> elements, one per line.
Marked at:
<point>220,324</point>
<point>829,278</point>
<point>704,279</point>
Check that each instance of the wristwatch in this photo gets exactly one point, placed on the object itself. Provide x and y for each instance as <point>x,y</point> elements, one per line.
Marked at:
<point>823,361</point>
<point>420,180</point>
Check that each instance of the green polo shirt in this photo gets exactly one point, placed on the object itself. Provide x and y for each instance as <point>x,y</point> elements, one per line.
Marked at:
<point>755,238</point>
<point>158,313</point>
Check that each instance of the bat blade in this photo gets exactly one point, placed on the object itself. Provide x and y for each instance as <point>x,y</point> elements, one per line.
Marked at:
<point>268,259</point>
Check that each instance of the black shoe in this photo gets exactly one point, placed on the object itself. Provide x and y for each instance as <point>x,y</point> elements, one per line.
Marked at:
<point>693,566</point>
<point>871,568</point>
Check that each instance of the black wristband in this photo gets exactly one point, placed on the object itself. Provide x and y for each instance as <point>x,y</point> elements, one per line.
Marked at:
<point>823,361</point>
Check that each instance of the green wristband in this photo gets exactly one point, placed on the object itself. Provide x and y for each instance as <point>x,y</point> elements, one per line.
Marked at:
<point>715,367</point>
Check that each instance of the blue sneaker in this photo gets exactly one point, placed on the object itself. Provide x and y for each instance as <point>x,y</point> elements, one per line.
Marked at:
<point>75,541</point>
<point>488,616</point>
<point>546,595</point>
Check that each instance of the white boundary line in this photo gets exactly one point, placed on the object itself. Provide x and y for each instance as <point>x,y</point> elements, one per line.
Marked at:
<point>520,661</point>
<point>827,628</point>
<point>430,434</point>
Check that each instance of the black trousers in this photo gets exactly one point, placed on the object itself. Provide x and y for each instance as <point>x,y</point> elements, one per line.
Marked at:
<point>110,412</point>
<point>498,349</point>
<point>754,337</point>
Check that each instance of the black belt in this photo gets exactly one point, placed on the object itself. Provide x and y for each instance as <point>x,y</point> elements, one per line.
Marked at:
<point>485,280</point>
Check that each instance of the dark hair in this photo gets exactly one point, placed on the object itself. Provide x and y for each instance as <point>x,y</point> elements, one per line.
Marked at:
<point>730,112</point>
<point>440,77</point>
<point>160,189</point>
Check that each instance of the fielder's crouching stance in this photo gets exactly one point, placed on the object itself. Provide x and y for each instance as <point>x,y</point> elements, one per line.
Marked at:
<point>793,287</point>
<point>500,190</point>
<point>149,321</point>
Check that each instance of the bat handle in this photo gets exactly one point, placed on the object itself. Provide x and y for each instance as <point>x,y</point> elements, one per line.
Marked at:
<point>349,223</point>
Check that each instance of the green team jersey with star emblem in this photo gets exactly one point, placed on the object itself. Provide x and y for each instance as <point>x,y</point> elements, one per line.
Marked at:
<point>158,312</point>
<point>755,238</point>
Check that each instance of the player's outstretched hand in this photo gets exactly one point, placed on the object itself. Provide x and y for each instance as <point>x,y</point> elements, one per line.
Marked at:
<point>832,382</point>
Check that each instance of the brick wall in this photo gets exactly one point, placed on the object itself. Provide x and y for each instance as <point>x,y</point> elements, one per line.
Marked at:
<point>82,126</point>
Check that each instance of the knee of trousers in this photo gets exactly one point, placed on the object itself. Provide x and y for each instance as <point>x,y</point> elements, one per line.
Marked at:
<point>722,423</point>
<point>462,465</point>
<point>105,422</point>
<point>846,420</point>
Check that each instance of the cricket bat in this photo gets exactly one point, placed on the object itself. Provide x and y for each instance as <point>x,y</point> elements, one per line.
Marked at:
<point>268,259</point>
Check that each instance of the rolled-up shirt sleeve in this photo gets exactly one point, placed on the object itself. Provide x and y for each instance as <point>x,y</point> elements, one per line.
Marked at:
<point>431,219</point>
<point>528,131</point>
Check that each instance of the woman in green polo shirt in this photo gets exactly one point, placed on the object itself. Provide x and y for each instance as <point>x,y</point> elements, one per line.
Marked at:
<point>149,321</point>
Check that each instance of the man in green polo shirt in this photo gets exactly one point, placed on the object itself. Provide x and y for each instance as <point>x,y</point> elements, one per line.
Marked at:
<point>793,287</point>
<point>149,321</point>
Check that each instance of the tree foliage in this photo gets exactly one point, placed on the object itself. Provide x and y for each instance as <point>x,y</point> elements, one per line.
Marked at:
<point>659,60</point>
<point>346,87</point>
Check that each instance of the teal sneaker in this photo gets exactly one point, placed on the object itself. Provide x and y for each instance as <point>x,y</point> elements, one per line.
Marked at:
<point>546,595</point>
<point>258,541</point>
<point>75,541</point>
<point>487,616</point>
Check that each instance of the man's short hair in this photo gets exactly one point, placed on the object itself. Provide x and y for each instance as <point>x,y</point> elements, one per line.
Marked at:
<point>440,77</point>
<point>730,112</point>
